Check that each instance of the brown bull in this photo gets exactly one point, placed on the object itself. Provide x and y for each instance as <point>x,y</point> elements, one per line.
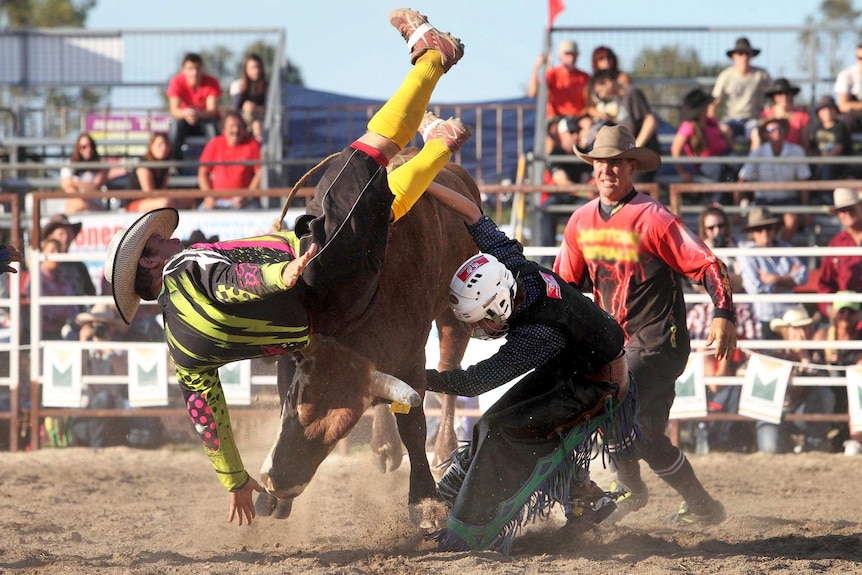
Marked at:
<point>333,379</point>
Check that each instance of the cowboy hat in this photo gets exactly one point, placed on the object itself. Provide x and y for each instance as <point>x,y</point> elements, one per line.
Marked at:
<point>60,221</point>
<point>781,86</point>
<point>694,104</point>
<point>617,142</point>
<point>759,218</point>
<point>844,198</point>
<point>744,46</point>
<point>100,313</point>
<point>826,102</point>
<point>797,316</point>
<point>124,251</point>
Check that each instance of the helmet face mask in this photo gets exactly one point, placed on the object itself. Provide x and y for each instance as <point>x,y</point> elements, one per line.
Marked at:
<point>481,295</point>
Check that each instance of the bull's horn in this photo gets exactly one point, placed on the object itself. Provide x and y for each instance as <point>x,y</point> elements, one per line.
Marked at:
<point>390,387</point>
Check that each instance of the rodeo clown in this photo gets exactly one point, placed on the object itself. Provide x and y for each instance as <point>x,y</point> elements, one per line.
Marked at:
<point>533,447</point>
<point>248,298</point>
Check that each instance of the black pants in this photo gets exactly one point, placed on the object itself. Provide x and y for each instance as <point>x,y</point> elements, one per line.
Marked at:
<point>348,219</point>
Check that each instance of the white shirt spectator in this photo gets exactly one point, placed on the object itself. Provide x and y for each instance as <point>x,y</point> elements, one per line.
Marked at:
<point>849,81</point>
<point>766,172</point>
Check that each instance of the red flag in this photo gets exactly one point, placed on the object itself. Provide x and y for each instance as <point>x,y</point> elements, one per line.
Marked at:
<point>554,9</point>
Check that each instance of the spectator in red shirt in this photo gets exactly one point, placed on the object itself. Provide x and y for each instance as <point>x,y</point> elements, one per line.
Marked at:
<point>234,145</point>
<point>192,96</point>
<point>568,87</point>
<point>840,273</point>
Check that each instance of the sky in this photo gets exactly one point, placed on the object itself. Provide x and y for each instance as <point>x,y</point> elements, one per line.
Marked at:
<point>348,46</point>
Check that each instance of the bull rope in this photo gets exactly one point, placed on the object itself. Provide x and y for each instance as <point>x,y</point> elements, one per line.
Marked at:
<point>277,223</point>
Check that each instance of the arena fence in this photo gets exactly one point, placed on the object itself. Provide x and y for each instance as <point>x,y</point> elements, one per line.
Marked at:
<point>101,227</point>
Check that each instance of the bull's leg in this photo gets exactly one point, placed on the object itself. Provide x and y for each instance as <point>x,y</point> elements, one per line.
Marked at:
<point>446,441</point>
<point>426,507</point>
<point>453,344</point>
<point>286,367</point>
<point>385,441</point>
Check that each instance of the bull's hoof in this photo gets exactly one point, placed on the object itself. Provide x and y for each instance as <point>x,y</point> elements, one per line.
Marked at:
<point>267,505</point>
<point>388,459</point>
<point>429,514</point>
<point>283,509</point>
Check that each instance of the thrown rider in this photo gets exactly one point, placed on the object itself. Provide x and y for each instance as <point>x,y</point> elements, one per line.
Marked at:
<point>252,297</point>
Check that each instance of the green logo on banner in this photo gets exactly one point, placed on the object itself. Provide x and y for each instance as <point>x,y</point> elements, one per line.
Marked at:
<point>685,386</point>
<point>764,389</point>
<point>147,377</point>
<point>229,374</point>
<point>61,377</point>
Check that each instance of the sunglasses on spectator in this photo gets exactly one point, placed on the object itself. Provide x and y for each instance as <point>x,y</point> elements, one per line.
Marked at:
<point>716,227</point>
<point>762,229</point>
<point>773,129</point>
<point>847,210</point>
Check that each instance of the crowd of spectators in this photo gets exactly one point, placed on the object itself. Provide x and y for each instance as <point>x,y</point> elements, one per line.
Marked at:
<point>224,133</point>
<point>746,113</point>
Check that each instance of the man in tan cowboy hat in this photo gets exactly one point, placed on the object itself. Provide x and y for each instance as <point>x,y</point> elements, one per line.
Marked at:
<point>635,252</point>
<point>742,89</point>
<point>839,273</point>
<point>768,274</point>
<point>248,298</point>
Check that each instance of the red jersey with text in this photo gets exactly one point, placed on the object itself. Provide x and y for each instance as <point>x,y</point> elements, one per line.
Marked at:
<point>635,259</point>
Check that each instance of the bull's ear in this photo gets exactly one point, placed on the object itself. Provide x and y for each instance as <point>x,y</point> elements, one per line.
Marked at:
<point>391,388</point>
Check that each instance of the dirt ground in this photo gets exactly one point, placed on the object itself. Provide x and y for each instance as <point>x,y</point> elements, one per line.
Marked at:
<point>122,510</point>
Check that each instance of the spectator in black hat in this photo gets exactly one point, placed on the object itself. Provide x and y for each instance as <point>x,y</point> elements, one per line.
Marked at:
<point>742,89</point>
<point>781,93</point>
<point>829,137</point>
<point>699,135</point>
<point>61,229</point>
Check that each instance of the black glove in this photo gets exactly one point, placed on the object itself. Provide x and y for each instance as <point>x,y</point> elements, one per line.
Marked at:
<point>436,382</point>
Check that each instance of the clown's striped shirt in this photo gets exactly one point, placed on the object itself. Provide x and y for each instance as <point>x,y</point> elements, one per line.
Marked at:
<point>224,302</point>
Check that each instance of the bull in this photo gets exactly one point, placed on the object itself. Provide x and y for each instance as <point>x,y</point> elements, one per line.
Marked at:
<point>334,380</point>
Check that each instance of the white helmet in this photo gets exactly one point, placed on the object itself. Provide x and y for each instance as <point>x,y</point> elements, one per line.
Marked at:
<point>482,288</point>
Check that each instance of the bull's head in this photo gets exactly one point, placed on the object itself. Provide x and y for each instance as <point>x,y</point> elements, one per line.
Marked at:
<point>331,389</point>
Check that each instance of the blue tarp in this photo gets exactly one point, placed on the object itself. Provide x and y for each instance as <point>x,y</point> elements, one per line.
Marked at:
<point>321,123</point>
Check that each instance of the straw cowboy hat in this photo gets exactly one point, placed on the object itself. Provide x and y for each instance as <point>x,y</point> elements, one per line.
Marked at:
<point>121,261</point>
<point>744,46</point>
<point>60,221</point>
<point>617,142</point>
<point>844,198</point>
<point>759,218</point>
<point>694,104</point>
<point>797,316</point>
<point>100,313</point>
<point>781,86</point>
